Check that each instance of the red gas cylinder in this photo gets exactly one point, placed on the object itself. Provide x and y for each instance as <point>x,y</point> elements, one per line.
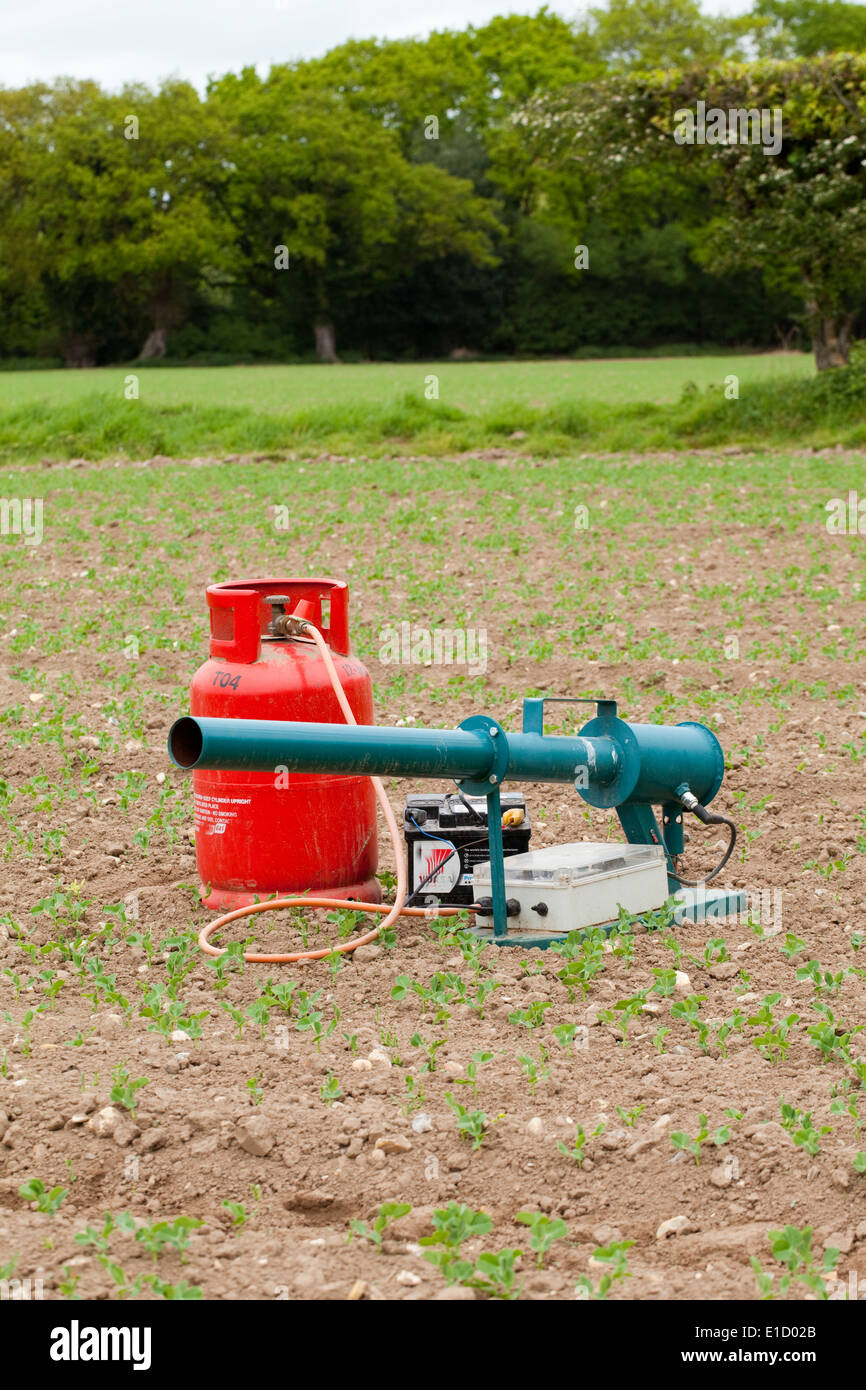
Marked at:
<point>259,833</point>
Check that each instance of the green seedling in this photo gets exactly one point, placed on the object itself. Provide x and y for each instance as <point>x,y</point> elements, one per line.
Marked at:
<point>345,920</point>
<point>34,1190</point>
<point>687,1144</point>
<point>259,1014</point>
<point>673,944</point>
<point>565,1034</point>
<point>689,1010</point>
<point>622,945</point>
<point>174,1292</point>
<point>665,981</point>
<point>793,1248</point>
<point>479,1060</point>
<point>659,1038</point>
<point>229,963</point>
<point>388,1039</point>
<point>483,990</point>
<point>175,1233</point>
<point>124,1091</point>
<point>309,1019</point>
<point>237,1016</point>
<point>844,1102</point>
<point>616,1258</point>
<point>255,1089</point>
<point>774,1041</point>
<point>715,951</point>
<point>664,917</point>
<point>25,1025</point>
<point>799,1125</point>
<point>100,1239</point>
<point>494,1274</point>
<point>452,1227</point>
<point>543,1232</point>
<point>584,956</point>
<point>472,949</point>
<point>822,979</point>
<point>579,1143</point>
<point>624,1012</point>
<point>429,1048</point>
<point>629,1117</point>
<point>444,989</point>
<point>126,1287</point>
<point>732,1024</point>
<point>330,1089</point>
<point>793,946</point>
<point>169,1015</point>
<point>471,1124</point>
<point>388,1212</point>
<point>414,1097</point>
<point>238,1214</point>
<point>534,1071</point>
<point>532,1016</point>
<point>832,1038</point>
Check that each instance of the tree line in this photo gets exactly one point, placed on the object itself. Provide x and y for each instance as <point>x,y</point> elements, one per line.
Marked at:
<point>531,186</point>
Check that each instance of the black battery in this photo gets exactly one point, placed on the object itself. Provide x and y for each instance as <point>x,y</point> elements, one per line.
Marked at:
<point>437,823</point>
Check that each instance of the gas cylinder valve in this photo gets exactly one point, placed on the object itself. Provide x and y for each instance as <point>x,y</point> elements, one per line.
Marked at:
<point>283,624</point>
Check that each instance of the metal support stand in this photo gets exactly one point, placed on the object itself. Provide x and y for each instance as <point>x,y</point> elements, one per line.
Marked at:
<point>497,866</point>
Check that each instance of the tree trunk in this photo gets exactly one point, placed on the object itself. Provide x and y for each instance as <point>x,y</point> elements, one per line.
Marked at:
<point>155,343</point>
<point>326,343</point>
<point>78,350</point>
<point>166,310</point>
<point>831,337</point>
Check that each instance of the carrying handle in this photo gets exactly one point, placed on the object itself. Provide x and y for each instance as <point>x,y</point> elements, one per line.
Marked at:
<point>533,709</point>
<point>239,615</point>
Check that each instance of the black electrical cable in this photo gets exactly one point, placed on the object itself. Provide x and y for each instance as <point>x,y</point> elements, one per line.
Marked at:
<point>476,815</point>
<point>710,818</point>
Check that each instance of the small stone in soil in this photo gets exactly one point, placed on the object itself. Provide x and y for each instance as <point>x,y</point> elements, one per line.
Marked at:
<point>393,1144</point>
<point>675,1226</point>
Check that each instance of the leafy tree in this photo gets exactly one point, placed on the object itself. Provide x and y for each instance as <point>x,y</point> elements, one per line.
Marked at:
<point>808,28</point>
<point>650,34</point>
<point>330,185</point>
<point>799,214</point>
<point>107,205</point>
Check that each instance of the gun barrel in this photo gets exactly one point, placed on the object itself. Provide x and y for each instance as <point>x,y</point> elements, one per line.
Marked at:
<point>613,764</point>
<point>368,750</point>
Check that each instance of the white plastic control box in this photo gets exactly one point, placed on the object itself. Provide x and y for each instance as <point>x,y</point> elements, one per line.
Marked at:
<point>570,887</point>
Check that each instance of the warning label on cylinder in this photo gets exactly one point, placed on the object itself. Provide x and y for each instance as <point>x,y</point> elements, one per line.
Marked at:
<point>213,813</point>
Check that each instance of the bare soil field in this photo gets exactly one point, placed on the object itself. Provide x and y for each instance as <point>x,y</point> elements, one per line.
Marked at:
<point>694,587</point>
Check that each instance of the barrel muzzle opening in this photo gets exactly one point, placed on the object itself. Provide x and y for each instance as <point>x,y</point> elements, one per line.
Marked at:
<point>185,742</point>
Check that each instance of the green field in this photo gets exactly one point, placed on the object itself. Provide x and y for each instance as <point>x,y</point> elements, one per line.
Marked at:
<point>469,386</point>
<point>436,408</point>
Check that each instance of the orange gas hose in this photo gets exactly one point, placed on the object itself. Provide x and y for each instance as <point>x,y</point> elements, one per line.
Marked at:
<point>395,910</point>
